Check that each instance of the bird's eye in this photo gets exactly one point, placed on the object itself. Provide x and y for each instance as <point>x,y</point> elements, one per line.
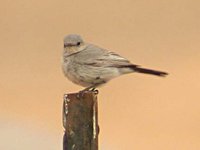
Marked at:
<point>78,43</point>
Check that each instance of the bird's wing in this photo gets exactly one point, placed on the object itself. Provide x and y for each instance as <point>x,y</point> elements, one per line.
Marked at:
<point>99,57</point>
<point>111,59</point>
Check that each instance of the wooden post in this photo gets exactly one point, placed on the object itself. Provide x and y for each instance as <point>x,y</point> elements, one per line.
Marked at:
<point>80,120</point>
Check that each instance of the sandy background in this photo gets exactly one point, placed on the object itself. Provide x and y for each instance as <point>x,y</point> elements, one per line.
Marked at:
<point>136,112</point>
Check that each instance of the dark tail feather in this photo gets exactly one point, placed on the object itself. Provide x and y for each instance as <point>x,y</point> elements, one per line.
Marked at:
<point>150,71</point>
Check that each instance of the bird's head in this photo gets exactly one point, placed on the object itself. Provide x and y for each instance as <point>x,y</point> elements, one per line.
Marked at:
<point>72,40</point>
<point>72,43</point>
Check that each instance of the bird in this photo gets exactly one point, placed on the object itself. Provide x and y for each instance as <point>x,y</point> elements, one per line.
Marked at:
<point>91,66</point>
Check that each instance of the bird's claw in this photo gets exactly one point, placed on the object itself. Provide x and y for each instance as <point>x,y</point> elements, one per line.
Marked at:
<point>93,89</point>
<point>81,93</point>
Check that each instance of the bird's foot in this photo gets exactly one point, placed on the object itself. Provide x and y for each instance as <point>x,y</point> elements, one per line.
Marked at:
<point>94,90</point>
<point>81,93</point>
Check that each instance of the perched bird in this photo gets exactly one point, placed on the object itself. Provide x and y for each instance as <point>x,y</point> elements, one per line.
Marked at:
<point>91,66</point>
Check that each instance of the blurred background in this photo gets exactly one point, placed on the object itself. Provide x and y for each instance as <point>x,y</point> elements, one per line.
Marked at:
<point>135,111</point>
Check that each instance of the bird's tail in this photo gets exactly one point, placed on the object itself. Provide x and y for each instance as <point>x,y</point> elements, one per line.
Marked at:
<point>150,71</point>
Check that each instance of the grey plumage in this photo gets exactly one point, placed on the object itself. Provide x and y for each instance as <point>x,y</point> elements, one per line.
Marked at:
<point>90,66</point>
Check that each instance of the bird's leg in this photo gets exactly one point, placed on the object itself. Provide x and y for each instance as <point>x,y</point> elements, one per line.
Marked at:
<point>81,93</point>
<point>90,88</point>
<point>94,90</point>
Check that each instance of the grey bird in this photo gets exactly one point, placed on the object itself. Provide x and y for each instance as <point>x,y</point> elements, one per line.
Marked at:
<point>91,66</point>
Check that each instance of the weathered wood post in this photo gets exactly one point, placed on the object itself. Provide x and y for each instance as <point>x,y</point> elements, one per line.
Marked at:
<point>80,120</point>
